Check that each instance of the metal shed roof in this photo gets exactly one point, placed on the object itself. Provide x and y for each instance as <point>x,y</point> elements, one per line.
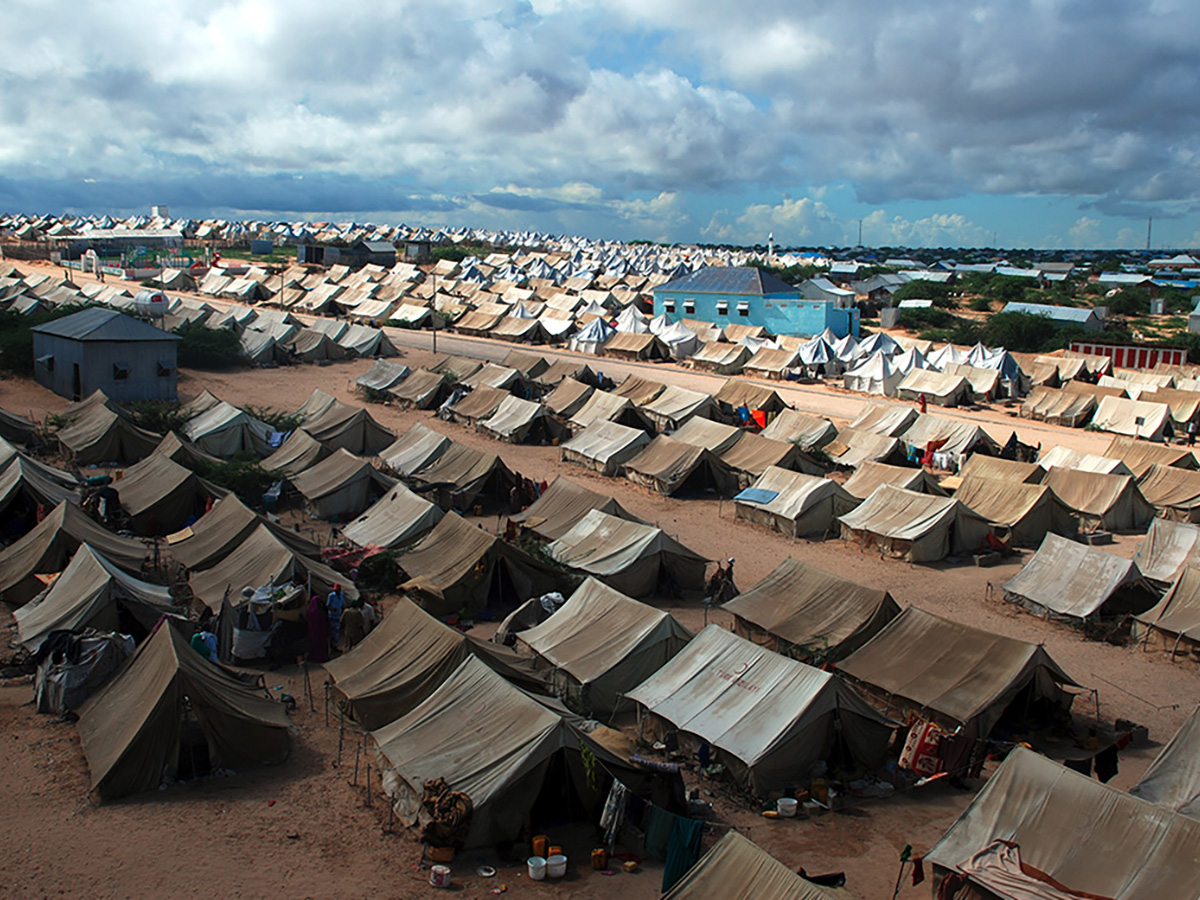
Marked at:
<point>729,280</point>
<point>103,325</point>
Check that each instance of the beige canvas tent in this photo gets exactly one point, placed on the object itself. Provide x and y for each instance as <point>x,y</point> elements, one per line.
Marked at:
<point>422,389</point>
<point>1169,546</point>
<point>460,566</point>
<point>631,345</point>
<point>669,467</point>
<point>810,615</point>
<point>737,393</point>
<point>918,527</point>
<point>1108,502</point>
<point>406,658</point>
<point>26,484</point>
<point>871,475</point>
<point>674,406</point>
<point>1020,513</point>
<point>561,507</point>
<point>494,743</point>
<point>382,376</point>
<point>1040,830</point>
<point>1173,624</point>
<point>1139,456</point>
<point>1060,457</point>
<point>754,454</point>
<point>340,426</point>
<point>398,518</point>
<point>224,430</point>
<point>603,406</point>
<point>720,357</point>
<point>891,419</point>
<point>1071,409</point>
<point>638,389</point>
<point>1174,492</point>
<point>806,431</point>
<point>605,447</point>
<point>962,676</point>
<point>793,503</point>
<point>768,363</point>
<point>98,435</point>
<point>341,485</point>
<point>301,451</point>
<point>1069,580</point>
<point>738,869</point>
<point>476,406</point>
<point>49,547</point>
<point>1135,418</point>
<point>569,397</point>
<point>223,528</point>
<point>1173,779</point>
<point>169,710</point>
<point>955,436</point>
<point>1006,469</point>
<point>636,559</point>
<point>851,448</point>
<point>601,643</point>
<point>463,477</point>
<point>161,496</point>
<point>710,435</point>
<point>184,452</point>
<point>516,420</point>
<point>262,558</point>
<point>92,593</point>
<point>414,450</point>
<point>939,388</point>
<point>768,718</point>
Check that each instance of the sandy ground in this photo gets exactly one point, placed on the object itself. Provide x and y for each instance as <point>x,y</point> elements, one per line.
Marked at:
<point>303,830</point>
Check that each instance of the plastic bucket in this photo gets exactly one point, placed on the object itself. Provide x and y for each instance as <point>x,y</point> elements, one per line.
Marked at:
<point>537,868</point>
<point>439,876</point>
<point>556,866</point>
<point>787,807</point>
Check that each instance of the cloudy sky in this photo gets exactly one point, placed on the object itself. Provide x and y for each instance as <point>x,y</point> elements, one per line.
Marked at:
<point>1037,122</point>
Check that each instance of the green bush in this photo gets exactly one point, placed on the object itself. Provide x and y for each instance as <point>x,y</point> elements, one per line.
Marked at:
<point>981,304</point>
<point>202,347</point>
<point>939,293</point>
<point>159,416</point>
<point>927,317</point>
<point>1131,301</point>
<point>242,474</point>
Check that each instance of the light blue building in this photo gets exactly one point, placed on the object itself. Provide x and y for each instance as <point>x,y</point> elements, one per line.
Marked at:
<point>747,295</point>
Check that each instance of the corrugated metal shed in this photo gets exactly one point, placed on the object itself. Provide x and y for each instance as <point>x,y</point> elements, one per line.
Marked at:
<point>103,325</point>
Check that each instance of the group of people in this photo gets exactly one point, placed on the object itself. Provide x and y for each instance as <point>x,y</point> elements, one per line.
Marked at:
<point>335,624</point>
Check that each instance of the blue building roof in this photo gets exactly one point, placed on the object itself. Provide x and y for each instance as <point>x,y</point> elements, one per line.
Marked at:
<point>729,280</point>
<point>1061,313</point>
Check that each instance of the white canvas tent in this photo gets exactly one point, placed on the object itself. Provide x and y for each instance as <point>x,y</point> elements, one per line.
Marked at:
<point>605,447</point>
<point>1039,830</point>
<point>224,430</point>
<point>919,527</point>
<point>396,519</point>
<point>793,503</point>
<point>1069,580</point>
<point>1168,548</point>
<point>768,718</point>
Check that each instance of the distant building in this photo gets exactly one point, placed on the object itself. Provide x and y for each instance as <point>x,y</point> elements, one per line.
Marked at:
<point>1062,315</point>
<point>111,242</point>
<point>728,295</point>
<point>101,348</point>
<point>357,255</point>
<point>418,251</point>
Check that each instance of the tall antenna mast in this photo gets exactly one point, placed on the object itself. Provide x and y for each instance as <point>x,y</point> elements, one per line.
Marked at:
<point>860,232</point>
<point>1149,224</point>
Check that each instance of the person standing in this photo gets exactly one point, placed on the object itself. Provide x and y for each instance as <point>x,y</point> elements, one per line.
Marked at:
<point>1191,432</point>
<point>318,630</point>
<point>923,402</point>
<point>335,605</point>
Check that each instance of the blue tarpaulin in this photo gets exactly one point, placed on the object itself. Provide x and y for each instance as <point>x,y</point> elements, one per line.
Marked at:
<point>756,495</point>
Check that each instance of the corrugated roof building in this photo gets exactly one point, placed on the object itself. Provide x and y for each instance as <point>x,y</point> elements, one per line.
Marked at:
<point>747,295</point>
<point>101,349</point>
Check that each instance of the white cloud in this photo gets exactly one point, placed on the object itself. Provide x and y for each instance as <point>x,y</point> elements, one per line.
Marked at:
<point>793,222</point>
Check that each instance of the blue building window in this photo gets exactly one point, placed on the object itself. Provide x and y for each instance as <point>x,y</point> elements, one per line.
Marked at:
<point>689,307</point>
<point>668,306</point>
<point>722,307</point>
<point>744,309</point>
